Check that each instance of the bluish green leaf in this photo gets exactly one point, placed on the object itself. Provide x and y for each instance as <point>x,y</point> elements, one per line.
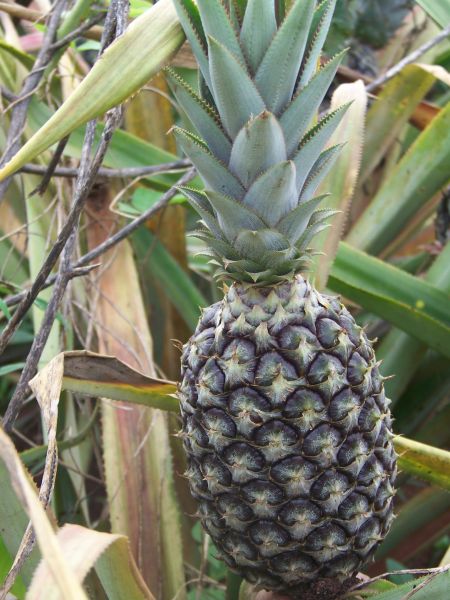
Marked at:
<point>199,201</point>
<point>278,71</point>
<point>319,171</point>
<point>233,216</point>
<point>190,20</point>
<point>258,29</point>
<point>217,25</point>
<point>202,117</point>
<point>295,222</point>
<point>319,31</point>
<point>273,194</point>
<point>313,144</point>
<point>259,145</point>
<point>298,116</point>
<point>234,92</point>
<point>213,172</point>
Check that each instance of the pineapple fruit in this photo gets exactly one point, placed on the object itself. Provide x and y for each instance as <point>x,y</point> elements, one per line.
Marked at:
<point>285,422</point>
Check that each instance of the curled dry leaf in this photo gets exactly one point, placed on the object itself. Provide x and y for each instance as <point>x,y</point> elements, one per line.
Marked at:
<point>83,548</point>
<point>47,387</point>
<point>107,377</point>
<point>59,572</point>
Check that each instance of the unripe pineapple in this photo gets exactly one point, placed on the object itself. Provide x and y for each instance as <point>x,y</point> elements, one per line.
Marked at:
<point>285,421</point>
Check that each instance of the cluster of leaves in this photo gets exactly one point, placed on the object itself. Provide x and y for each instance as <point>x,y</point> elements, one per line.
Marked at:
<point>118,467</point>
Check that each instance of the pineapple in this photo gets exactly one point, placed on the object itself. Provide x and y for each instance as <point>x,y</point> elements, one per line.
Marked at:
<point>285,422</point>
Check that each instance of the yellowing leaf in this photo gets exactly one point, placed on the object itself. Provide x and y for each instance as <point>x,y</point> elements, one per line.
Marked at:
<point>426,462</point>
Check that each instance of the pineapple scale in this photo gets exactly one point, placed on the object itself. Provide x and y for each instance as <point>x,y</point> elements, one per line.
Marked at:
<point>288,435</point>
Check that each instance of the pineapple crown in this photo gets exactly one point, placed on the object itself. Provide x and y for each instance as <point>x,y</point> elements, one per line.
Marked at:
<point>259,153</point>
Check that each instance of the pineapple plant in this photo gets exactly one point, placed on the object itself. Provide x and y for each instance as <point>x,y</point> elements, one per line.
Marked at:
<point>286,425</point>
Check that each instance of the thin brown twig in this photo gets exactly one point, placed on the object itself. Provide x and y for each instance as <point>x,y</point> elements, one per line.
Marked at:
<point>84,184</point>
<point>116,23</point>
<point>8,94</point>
<point>34,16</point>
<point>412,57</point>
<point>77,32</point>
<point>130,172</point>
<point>431,571</point>
<point>425,582</point>
<point>19,111</point>
<point>120,235</point>
<point>49,170</point>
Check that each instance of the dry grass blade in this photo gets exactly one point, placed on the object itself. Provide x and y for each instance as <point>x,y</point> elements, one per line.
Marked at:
<point>84,548</point>
<point>47,387</point>
<point>136,443</point>
<point>60,574</point>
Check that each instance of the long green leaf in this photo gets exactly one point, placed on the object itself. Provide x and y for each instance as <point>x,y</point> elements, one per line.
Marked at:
<point>406,301</point>
<point>278,71</point>
<point>399,352</point>
<point>236,95</point>
<point>258,28</point>
<point>146,45</point>
<point>421,173</point>
<point>390,112</point>
<point>300,112</point>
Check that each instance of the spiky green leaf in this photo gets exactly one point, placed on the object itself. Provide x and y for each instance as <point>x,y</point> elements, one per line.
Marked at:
<point>317,224</point>
<point>258,29</point>
<point>190,21</point>
<point>217,25</point>
<point>314,142</point>
<point>298,116</point>
<point>319,31</point>
<point>235,94</point>
<point>232,216</point>
<point>213,172</point>
<point>259,145</point>
<point>265,247</point>
<point>274,193</point>
<point>203,117</point>
<point>278,71</point>
<point>200,203</point>
<point>319,171</point>
<point>295,222</point>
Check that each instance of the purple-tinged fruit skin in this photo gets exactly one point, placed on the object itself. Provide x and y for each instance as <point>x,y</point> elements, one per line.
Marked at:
<point>288,435</point>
